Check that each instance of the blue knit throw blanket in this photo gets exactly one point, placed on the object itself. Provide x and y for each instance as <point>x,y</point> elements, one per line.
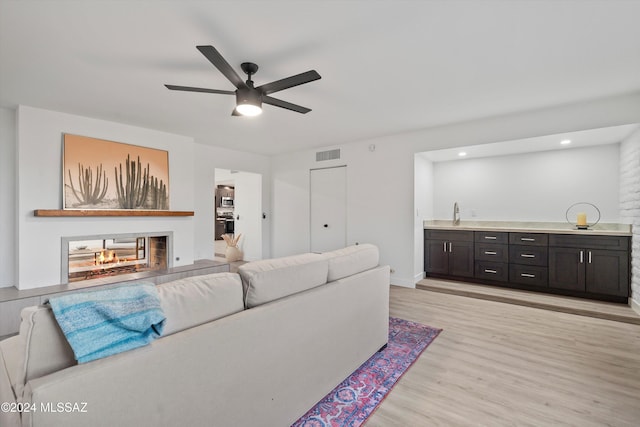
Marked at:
<point>105,322</point>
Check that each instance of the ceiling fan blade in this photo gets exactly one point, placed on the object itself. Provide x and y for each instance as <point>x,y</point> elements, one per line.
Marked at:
<point>284,104</point>
<point>200,89</point>
<point>298,79</point>
<point>221,64</point>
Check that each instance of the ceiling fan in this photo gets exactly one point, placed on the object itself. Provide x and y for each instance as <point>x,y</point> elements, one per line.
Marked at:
<point>249,99</point>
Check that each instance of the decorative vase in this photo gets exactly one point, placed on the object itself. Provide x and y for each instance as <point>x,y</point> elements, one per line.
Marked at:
<point>233,254</point>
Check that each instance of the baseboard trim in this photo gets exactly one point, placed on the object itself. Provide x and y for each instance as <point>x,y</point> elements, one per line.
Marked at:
<point>403,282</point>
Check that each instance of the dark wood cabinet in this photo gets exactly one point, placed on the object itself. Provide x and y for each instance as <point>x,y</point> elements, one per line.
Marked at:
<point>436,257</point>
<point>491,256</point>
<point>607,272</point>
<point>592,266</point>
<point>528,255</point>
<point>566,270</point>
<point>528,258</point>
<point>449,253</point>
<point>529,239</point>
<point>528,275</point>
<point>492,271</point>
<point>597,266</point>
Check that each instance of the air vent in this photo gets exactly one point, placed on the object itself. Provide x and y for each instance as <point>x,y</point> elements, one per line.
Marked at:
<point>327,155</point>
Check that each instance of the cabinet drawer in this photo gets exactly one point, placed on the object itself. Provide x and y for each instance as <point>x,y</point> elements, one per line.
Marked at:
<point>528,255</point>
<point>449,235</point>
<point>495,271</point>
<point>534,239</point>
<point>528,275</point>
<point>491,237</point>
<point>620,243</point>
<point>490,252</point>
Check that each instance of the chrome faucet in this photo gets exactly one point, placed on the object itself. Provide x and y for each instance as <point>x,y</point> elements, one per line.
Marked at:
<point>456,214</point>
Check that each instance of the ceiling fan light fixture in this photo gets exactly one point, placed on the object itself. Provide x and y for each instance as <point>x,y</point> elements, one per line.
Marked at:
<point>249,110</point>
<point>248,103</point>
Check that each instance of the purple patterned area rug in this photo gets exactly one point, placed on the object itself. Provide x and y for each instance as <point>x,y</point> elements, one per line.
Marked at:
<point>355,399</point>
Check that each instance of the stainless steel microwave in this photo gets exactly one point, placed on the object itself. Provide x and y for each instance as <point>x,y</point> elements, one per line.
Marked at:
<point>226,202</point>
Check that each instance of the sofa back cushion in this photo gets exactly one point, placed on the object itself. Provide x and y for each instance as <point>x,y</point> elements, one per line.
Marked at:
<point>43,348</point>
<point>351,260</point>
<point>270,279</point>
<point>200,299</point>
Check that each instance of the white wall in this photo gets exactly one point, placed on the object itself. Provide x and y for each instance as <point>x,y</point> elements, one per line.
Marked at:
<point>423,186</point>
<point>39,187</point>
<point>630,206</point>
<point>380,183</point>
<point>372,195</point>
<point>536,186</point>
<point>7,197</point>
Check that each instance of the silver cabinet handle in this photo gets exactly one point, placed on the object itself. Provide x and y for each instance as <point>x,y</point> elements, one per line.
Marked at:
<point>532,276</point>
<point>450,246</point>
<point>490,237</point>
<point>527,255</point>
<point>527,239</point>
<point>486,270</point>
<point>490,253</point>
<point>589,257</point>
<point>581,257</point>
<point>444,247</point>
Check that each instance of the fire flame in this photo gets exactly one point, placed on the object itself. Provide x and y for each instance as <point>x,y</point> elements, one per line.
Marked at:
<point>110,258</point>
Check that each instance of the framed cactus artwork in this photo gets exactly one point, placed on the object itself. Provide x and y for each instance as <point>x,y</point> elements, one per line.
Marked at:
<point>100,174</point>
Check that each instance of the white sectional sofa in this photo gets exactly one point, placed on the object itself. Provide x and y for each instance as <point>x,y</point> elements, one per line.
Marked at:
<point>258,348</point>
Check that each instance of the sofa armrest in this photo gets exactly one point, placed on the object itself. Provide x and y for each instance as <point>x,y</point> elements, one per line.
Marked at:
<point>7,418</point>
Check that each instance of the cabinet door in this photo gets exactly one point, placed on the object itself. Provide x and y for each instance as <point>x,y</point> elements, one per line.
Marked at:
<point>436,256</point>
<point>607,272</point>
<point>567,268</point>
<point>461,259</point>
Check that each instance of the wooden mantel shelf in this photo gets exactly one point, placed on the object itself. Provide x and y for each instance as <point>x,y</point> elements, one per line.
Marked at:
<point>108,212</point>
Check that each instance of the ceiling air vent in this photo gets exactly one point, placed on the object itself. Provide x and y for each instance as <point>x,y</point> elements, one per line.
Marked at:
<point>328,155</point>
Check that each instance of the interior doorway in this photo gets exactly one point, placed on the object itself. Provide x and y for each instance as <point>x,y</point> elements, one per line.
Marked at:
<point>238,211</point>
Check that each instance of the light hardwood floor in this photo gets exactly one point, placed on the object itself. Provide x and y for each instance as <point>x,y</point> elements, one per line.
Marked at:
<point>499,364</point>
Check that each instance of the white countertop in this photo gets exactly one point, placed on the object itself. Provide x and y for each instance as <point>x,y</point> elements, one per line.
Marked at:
<point>530,227</point>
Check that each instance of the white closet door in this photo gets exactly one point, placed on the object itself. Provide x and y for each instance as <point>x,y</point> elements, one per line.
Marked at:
<point>248,213</point>
<point>328,222</point>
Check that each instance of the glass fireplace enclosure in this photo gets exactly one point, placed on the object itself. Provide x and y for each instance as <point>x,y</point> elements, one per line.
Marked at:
<point>92,257</point>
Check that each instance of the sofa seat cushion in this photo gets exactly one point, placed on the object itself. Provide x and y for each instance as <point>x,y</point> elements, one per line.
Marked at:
<point>271,279</point>
<point>351,260</point>
<point>200,299</point>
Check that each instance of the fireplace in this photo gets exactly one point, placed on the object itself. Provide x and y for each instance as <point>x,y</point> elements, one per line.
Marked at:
<point>100,256</point>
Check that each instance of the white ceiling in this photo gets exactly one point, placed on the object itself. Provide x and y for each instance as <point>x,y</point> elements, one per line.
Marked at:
<point>578,139</point>
<point>387,66</point>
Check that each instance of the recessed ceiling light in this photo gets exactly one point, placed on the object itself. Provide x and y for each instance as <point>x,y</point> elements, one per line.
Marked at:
<point>462,153</point>
<point>565,142</point>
